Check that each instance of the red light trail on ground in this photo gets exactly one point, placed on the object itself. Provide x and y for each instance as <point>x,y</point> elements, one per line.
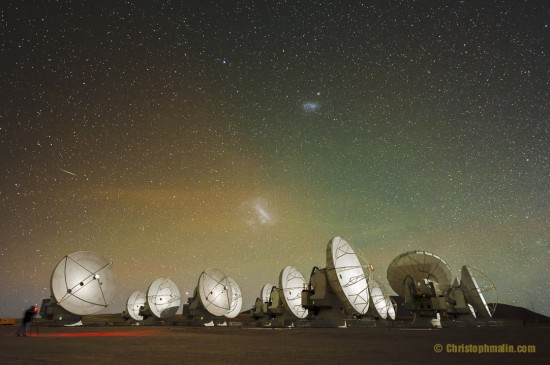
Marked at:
<point>105,334</point>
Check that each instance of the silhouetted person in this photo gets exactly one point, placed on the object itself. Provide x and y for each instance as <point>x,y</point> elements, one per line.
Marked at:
<point>27,321</point>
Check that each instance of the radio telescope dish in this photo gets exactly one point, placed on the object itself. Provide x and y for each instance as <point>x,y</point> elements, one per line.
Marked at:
<point>475,293</point>
<point>346,276</point>
<point>391,307</point>
<point>292,283</point>
<point>163,298</point>
<point>136,301</point>
<point>266,293</point>
<point>378,298</point>
<point>215,292</point>
<point>83,283</point>
<point>236,301</point>
<point>472,310</point>
<point>417,266</point>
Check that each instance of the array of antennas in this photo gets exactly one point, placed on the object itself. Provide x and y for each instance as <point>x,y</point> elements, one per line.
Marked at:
<point>334,294</point>
<point>360,295</point>
<point>423,280</point>
<point>216,296</point>
<point>282,305</point>
<point>346,289</point>
<point>161,301</point>
<point>84,283</point>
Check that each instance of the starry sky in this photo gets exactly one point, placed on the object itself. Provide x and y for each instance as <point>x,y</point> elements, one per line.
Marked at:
<point>172,136</point>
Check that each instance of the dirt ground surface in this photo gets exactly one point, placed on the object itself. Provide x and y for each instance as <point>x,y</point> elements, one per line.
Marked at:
<point>189,345</point>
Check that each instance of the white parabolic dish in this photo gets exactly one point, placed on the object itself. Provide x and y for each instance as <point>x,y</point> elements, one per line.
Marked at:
<point>266,293</point>
<point>236,301</point>
<point>163,298</point>
<point>215,292</point>
<point>292,283</point>
<point>473,293</point>
<point>83,283</point>
<point>378,298</point>
<point>418,265</point>
<point>391,308</point>
<point>346,276</point>
<point>136,300</point>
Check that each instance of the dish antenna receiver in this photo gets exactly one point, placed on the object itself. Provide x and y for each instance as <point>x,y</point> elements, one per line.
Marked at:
<point>380,304</point>
<point>423,279</point>
<point>391,305</point>
<point>163,300</point>
<point>338,292</point>
<point>265,295</point>
<point>475,295</point>
<point>292,282</point>
<point>378,307</point>
<point>282,306</point>
<point>82,283</point>
<point>216,297</point>
<point>236,300</point>
<point>346,276</point>
<point>136,302</point>
<point>260,310</point>
<point>476,286</point>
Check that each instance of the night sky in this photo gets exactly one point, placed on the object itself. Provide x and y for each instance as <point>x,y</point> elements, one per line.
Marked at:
<point>173,136</point>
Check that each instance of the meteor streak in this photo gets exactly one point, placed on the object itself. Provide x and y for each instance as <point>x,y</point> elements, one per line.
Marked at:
<point>68,172</point>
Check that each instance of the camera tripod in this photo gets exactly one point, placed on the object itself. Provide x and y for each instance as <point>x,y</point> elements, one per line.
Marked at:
<point>34,326</point>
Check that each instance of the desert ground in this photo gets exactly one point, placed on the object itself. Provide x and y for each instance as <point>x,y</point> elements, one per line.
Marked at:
<point>250,345</point>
